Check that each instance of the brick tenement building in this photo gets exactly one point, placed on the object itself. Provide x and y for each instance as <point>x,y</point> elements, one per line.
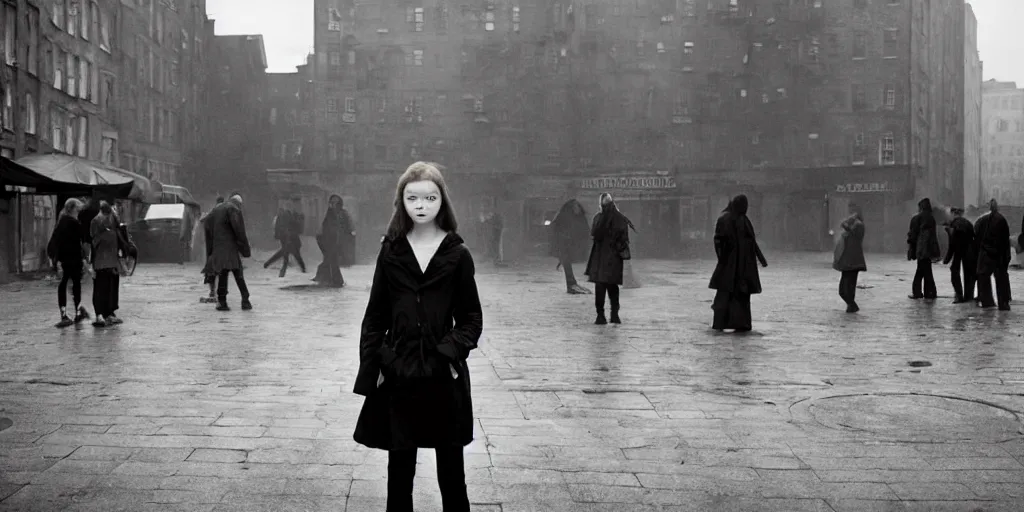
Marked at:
<point>973,131</point>
<point>672,106</point>
<point>163,47</point>
<point>1002,170</point>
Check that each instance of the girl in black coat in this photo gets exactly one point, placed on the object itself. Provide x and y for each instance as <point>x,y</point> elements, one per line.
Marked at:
<point>604,268</point>
<point>67,247</point>
<point>422,320</point>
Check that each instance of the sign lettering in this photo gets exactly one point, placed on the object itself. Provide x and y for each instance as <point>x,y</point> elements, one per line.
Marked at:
<point>860,188</point>
<point>629,183</point>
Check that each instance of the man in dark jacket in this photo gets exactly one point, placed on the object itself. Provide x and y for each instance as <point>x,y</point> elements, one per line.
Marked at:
<point>288,230</point>
<point>963,253</point>
<point>923,246</point>
<point>225,234</point>
<point>993,235</point>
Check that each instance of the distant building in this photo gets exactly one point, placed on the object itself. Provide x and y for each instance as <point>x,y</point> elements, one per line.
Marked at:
<point>973,132</point>
<point>1002,169</point>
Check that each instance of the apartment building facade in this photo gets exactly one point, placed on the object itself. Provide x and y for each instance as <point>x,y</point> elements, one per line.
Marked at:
<point>973,126</point>
<point>1002,168</point>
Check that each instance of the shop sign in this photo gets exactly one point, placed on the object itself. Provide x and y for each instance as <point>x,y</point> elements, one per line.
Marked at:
<point>856,188</point>
<point>629,183</point>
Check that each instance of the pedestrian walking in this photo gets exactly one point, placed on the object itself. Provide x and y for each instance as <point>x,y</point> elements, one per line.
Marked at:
<point>849,257</point>
<point>209,276</point>
<point>108,244</point>
<point>993,236</point>
<point>736,276</point>
<point>962,252</point>
<point>569,234</point>
<point>67,249</point>
<point>336,241</point>
<point>225,235</point>
<point>288,227</point>
<point>422,320</point>
<point>610,232</point>
<point>923,246</point>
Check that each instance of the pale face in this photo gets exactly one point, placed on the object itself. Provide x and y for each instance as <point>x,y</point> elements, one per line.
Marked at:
<point>422,201</point>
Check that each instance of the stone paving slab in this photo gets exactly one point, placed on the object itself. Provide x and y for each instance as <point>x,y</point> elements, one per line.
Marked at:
<point>905,406</point>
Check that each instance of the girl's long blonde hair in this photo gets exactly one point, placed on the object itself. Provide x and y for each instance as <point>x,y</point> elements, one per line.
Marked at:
<point>71,207</point>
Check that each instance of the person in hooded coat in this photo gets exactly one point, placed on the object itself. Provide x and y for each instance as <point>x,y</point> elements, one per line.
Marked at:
<point>850,262</point>
<point>992,233</point>
<point>422,321</point>
<point>962,252</point>
<point>736,276</point>
<point>569,234</point>
<point>337,242</point>
<point>227,244</point>
<point>610,232</point>
<point>923,246</point>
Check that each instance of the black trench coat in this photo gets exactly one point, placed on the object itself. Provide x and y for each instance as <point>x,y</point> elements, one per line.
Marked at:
<point>226,240</point>
<point>738,255</point>
<point>993,238</point>
<point>610,235</point>
<point>425,323</point>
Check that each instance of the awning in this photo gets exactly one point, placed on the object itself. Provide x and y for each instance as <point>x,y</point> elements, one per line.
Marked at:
<point>74,170</point>
<point>14,174</point>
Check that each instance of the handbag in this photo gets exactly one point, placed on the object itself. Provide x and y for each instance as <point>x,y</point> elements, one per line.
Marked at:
<point>624,251</point>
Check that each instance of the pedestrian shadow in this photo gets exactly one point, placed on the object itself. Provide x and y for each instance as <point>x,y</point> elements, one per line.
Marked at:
<point>309,288</point>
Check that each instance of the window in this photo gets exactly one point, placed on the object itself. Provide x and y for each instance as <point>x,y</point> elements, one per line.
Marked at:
<point>515,18</point>
<point>104,31</point>
<point>85,21</point>
<point>781,91</point>
<point>57,129</point>
<point>332,105</point>
<point>489,19</point>
<point>890,96</point>
<point>57,64</point>
<point>10,19</point>
<point>441,25</point>
<point>332,151</point>
<point>8,111</point>
<point>83,136</point>
<point>417,57</point>
<point>1002,125</point>
<point>890,43</point>
<point>860,46</point>
<point>30,114</point>
<point>109,155</point>
<point>888,149</point>
<point>661,47</point>
<point>688,48</point>
<point>351,57</point>
<point>58,14</point>
<point>860,98</point>
<point>72,71</point>
<point>350,104</point>
<point>334,20</point>
<point>418,19</point>
<point>72,6</point>
<point>159,36</point>
<point>335,58</point>
<point>348,155</point>
<point>32,40</point>
<point>84,77</point>
<point>94,17</point>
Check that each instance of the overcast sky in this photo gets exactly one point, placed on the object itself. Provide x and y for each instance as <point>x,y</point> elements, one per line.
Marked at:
<point>288,32</point>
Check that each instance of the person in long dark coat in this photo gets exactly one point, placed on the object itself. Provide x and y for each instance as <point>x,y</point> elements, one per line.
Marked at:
<point>850,262</point>
<point>288,227</point>
<point>993,235</point>
<point>336,241</point>
<point>923,246</point>
<point>105,248</point>
<point>962,252</point>
<point>422,320</point>
<point>569,235</point>
<point>67,248</point>
<point>226,236</point>
<point>209,276</point>
<point>610,232</point>
<point>736,276</point>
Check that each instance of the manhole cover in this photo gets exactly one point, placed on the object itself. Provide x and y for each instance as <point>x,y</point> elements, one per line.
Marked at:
<point>917,418</point>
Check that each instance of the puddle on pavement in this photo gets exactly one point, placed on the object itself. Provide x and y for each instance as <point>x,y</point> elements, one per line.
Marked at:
<point>919,364</point>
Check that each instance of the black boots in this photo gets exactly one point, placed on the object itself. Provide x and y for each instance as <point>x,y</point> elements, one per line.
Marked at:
<point>615,317</point>
<point>601,320</point>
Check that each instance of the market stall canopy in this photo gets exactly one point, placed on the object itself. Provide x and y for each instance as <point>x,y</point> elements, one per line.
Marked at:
<point>14,174</point>
<point>72,169</point>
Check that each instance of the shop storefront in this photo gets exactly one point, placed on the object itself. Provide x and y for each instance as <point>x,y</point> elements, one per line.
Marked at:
<point>652,203</point>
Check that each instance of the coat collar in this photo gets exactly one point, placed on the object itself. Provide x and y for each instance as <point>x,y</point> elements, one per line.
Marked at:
<point>441,265</point>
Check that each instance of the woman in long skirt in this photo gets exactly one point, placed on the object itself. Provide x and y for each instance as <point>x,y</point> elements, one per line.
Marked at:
<point>736,277</point>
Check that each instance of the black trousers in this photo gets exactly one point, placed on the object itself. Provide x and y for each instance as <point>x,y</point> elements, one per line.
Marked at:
<point>848,286</point>
<point>964,288</point>
<point>105,291</point>
<point>924,273</point>
<point>73,273</point>
<point>222,285</point>
<point>288,248</point>
<point>451,478</point>
<point>1002,287</point>
<point>613,293</point>
<point>570,278</point>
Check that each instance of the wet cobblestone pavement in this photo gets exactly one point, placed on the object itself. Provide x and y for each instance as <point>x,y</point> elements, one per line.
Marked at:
<point>904,406</point>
